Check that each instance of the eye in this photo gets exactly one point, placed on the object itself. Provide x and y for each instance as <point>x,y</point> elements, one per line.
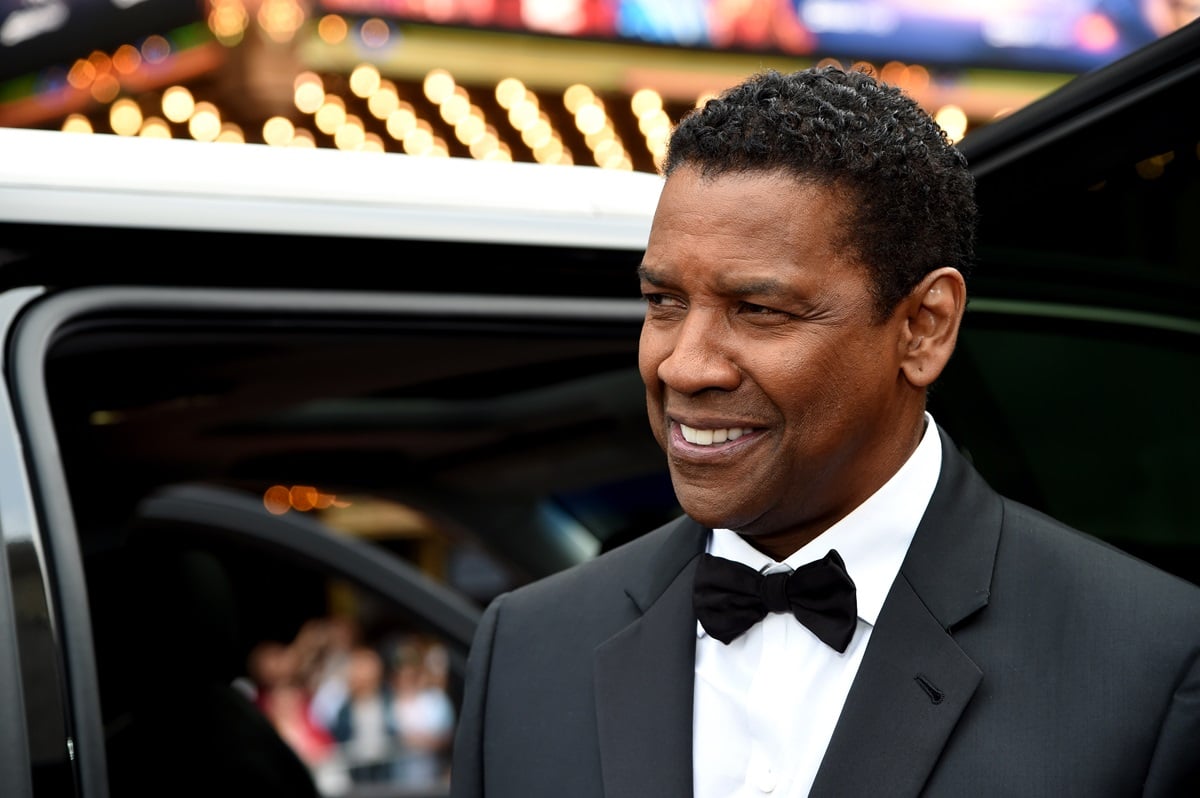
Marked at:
<point>661,300</point>
<point>760,310</point>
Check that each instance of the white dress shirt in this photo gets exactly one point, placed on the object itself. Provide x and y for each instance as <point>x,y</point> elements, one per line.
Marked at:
<point>766,704</point>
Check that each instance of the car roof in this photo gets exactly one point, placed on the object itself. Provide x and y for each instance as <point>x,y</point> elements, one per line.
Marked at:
<point>1167,66</point>
<point>1087,196</point>
<point>92,209</point>
<point>51,177</point>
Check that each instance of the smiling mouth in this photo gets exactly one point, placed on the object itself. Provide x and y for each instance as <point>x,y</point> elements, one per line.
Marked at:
<point>709,437</point>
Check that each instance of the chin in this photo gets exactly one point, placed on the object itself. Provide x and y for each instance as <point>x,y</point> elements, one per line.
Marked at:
<point>703,513</point>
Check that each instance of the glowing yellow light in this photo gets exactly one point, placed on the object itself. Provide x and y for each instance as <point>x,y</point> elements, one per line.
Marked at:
<point>303,138</point>
<point>608,150</point>
<point>308,93</point>
<point>278,131</point>
<point>280,19</point>
<point>655,125</point>
<point>77,123</point>
<point>598,137</point>
<point>522,114</point>
<point>401,121</point>
<point>331,115</point>
<point>618,161</point>
<point>454,108</point>
<point>484,146</point>
<point>509,91</point>
<point>576,96</point>
<point>469,129</point>
<point>549,151</point>
<point>646,102</point>
<point>155,128</point>
<point>590,119</point>
<point>125,117</point>
<point>364,80</point>
<point>205,123</point>
<point>178,103</point>
<point>385,100</point>
<point>953,120</point>
<point>372,143</point>
<point>537,134</point>
<point>232,133</point>
<point>658,150</point>
<point>350,135</point>
<point>418,141</point>
<point>228,20</point>
<point>438,85</point>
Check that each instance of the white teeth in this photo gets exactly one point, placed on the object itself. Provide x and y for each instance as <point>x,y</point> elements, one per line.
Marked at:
<point>707,437</point>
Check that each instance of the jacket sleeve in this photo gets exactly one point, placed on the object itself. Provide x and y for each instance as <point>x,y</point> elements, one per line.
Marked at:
<point>466,773</point>
<point>1175,767</point>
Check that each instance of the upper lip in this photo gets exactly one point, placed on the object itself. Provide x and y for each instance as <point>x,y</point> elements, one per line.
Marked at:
<point>711,423</point>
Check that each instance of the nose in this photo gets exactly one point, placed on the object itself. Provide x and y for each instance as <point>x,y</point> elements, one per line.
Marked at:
<point>698,355</point>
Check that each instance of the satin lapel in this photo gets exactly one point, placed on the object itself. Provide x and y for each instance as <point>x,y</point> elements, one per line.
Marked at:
<point>644,679</point>
<point>915,681</point>
<point>913,684</point>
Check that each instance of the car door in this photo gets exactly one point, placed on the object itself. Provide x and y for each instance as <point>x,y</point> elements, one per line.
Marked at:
<point>158,423</point>
<point>1079,358</point>
<point>426,414</point>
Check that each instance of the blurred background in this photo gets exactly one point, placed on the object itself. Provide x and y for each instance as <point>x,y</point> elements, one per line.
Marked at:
<point>552,81</point>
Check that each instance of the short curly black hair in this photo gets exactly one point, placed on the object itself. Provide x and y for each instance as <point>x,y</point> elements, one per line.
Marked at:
<point>910,199</point>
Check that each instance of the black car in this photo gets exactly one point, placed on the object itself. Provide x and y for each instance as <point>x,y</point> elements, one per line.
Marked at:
<point>254,396</point>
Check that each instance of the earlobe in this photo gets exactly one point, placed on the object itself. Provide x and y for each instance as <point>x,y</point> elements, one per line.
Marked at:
<point>934,313</point>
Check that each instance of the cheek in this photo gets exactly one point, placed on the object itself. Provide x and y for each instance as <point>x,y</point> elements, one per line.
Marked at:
<point>650,355</point>
<point>815,385</point>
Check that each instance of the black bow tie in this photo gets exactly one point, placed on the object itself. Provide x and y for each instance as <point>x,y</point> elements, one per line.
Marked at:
<point>730,597</point>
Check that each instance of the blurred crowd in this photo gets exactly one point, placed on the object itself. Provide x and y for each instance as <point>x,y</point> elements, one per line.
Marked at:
<point>358,713</point>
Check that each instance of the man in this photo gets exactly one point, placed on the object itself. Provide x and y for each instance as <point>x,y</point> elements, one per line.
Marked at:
<point>804,287</point>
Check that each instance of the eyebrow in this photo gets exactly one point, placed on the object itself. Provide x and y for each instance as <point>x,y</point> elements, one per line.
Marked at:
<point>760,287</point>
<point>644,273</point>
<point>763,286</point>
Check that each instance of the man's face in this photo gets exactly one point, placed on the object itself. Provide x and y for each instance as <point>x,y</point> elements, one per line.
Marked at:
<point>775,393</point>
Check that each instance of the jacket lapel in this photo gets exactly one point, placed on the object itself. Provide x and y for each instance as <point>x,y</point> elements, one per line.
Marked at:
<point>645,674</point>
<point>915,681</point>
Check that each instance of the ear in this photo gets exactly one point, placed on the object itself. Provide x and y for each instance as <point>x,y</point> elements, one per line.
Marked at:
<point>933,313</point>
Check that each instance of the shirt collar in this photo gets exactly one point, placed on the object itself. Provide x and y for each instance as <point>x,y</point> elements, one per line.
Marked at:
<point>872,539</point>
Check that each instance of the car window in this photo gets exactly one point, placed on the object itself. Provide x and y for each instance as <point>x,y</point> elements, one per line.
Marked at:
<point>248,471</point>
<point>245,660</point>
<point>1088,420</point>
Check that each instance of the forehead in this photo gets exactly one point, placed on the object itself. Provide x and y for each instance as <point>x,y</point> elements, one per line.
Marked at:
<point>748,227</point>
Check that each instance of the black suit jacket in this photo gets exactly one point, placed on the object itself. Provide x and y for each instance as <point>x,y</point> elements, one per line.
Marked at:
<point>1013,656</point>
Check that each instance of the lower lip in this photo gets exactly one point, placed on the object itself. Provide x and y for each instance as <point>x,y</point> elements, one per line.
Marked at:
<point>681,448</point>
